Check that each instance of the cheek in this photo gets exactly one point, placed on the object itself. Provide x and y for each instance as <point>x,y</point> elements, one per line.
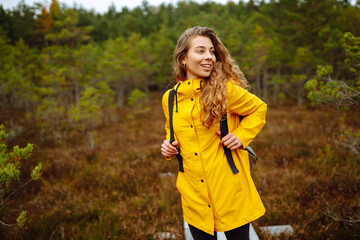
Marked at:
<point>193,62</point>
<point>195,59</point>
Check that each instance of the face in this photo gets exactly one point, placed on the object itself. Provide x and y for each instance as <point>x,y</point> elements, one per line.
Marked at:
<point>200,58</point>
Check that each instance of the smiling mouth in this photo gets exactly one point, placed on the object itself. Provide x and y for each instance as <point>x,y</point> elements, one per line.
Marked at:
<point>206,65</point>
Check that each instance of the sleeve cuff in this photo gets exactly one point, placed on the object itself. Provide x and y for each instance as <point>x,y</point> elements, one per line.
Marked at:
<point>244,141</point>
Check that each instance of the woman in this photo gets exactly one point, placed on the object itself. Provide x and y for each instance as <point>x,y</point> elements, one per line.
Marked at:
<point>211,84</point>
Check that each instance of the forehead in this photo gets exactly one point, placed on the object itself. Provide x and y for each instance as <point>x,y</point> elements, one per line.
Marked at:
<point>201,41</point>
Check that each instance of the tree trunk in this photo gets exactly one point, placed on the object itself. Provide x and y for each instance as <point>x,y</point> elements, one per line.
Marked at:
<point>264,84</point>
<point>77,91</point>
<point>57,130</point>
<point>90,135</point>
<point>28,107</point>
<point>300,93</point>
<point>301,88</point>
<point>277,84</point>
<point>258,82</point>
<point>11,105</point>
<point>120,96</point>
<point>105,116</point>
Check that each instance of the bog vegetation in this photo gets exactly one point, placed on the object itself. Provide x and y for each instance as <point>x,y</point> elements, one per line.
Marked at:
<point>85,89</point>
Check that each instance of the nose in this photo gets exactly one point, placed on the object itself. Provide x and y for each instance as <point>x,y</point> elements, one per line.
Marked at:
<point>208,55</point>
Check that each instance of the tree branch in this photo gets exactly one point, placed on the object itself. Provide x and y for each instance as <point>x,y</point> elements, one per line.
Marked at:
<point>7,198</point>
<point>7,225</point>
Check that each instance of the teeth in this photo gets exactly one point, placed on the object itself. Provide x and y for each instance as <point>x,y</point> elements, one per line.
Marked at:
<point>206,65</point>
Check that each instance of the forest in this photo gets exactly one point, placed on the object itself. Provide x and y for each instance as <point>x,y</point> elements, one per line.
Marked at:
<point>81,122</point>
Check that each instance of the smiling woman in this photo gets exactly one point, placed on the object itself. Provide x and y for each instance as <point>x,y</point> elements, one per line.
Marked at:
<point>210,85</point>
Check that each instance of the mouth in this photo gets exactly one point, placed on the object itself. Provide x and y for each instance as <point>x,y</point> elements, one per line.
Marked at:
<point>206,66</point>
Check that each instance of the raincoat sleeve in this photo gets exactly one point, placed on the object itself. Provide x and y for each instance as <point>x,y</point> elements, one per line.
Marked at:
<point>165,106</point>
<point>243,103</point>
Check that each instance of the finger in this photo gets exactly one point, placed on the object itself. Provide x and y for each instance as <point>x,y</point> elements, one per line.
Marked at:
<point>227,136</point>
<point>228,143</point>
<point>166,153</point>
<point>167,143</point>
<point>175,143</point>
<point>233,145</point>
<point>218,133</point>
<point>169,148</point>
<point>231,138</point>
<point>171,151</point>
<point>225,140</point>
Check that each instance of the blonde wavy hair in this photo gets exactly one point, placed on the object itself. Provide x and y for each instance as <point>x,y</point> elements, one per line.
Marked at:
<point>213,97</point>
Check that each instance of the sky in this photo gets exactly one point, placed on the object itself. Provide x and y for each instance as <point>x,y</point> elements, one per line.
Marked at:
<point>100,6</point>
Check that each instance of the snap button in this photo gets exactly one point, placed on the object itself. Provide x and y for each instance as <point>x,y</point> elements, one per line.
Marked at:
<point>188,82</point>
<point>191,126</point>
<point>209,205</point>
<point>202,180</point>
<point>192,99</point>
<point>195,154</point>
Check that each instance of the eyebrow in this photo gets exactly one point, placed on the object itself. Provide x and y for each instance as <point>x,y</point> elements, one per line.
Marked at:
<point>204,47</point>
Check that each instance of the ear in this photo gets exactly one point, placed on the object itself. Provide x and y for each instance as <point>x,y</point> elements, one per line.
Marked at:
<point>184,60</point>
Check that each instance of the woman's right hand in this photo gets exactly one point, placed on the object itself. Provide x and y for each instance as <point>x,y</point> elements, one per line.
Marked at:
<point>169,150</point>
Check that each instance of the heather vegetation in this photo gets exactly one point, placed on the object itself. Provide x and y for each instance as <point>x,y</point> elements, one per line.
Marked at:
<point>85,90</point>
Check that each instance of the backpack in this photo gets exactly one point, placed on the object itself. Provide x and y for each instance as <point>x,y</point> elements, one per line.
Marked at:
<point>224,131</point>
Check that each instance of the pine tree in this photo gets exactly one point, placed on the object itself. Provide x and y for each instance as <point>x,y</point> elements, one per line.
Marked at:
<point>10,164</point>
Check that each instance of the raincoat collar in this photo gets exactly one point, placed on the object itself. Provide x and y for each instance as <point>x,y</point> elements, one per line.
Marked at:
<point>189,88</point>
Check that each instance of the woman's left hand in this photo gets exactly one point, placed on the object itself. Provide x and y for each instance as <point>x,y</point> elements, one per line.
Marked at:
<point>230,141</point>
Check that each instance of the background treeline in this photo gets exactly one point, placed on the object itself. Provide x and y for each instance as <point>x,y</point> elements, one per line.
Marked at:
<point>51,54</point>
<point>79,85</point>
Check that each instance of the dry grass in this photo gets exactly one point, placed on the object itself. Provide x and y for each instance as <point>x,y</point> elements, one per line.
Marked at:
<point>116,191</point>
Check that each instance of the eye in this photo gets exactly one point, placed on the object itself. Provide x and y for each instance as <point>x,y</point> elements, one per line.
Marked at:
<point>212,52</point>
<point>200,51</point>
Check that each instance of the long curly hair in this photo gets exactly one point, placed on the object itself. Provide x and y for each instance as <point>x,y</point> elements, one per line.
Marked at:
<point>214,96</point>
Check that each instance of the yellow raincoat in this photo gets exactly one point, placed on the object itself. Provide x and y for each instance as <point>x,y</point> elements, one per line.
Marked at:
<point>213,198</point>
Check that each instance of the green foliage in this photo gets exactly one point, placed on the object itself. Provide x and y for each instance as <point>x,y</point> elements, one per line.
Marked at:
<point>324,71</point>
<point>351,45</point>
<point>137,99</point>
<point>36,174</point>
<point>124,64</point>
<point>51,118</point>
<point>298,78</point>
<point>92,101</point>
<point>88,107</point>
<point>323,89</point>
<point>10,164</point>
<point>348,140</point>
<point>303,59</point>
<point>67,32</point>
<point>21,219</point>
<point>326,154</point>
<point>335,93</point>
<point>18,66</point>
<point>162,50</point>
